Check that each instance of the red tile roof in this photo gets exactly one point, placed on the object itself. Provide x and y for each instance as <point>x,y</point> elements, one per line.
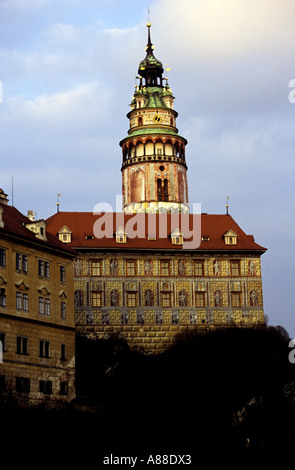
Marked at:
<point>15,225</point>
<point>85,228</point>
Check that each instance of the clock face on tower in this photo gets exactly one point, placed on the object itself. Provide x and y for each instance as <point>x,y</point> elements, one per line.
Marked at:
<point>157,119</point>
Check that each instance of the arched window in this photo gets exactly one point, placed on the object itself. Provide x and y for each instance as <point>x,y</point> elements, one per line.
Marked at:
<point>139,122</point>
<point>159,189</point>
<point>166,194</point>
<point>162,190</point>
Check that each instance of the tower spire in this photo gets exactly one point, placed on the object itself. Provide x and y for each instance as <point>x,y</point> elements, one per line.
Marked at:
<point>149,43</point>
<point>154,166</point>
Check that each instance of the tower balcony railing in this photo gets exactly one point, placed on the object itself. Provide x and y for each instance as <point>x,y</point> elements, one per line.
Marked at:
<point>154,158</point>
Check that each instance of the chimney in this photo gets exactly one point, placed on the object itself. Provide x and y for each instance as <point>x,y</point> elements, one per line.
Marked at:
<point>3,197</point>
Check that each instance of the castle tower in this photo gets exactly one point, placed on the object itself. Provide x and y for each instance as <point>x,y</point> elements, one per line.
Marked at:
<point>154,168</point>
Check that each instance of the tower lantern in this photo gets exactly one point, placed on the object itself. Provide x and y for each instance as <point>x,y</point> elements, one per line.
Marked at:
<point>154,167</point>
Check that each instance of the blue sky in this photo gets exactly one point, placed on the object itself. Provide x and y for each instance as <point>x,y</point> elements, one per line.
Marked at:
<point>67,69</point>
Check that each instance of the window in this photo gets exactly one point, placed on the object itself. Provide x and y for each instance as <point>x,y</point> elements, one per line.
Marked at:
<point>131,299</point>
<point>2,297</point>
<point>18,300</point>
<point>235,268</point>
<point>47,306</point>
<point>65,234</point>
<point>166,299</point>
<point>22,345</point>
<point>162,190</point>
<point>96,268</point>
<point>235,299</point>
<point>22,301</point>
<point>164,268</point>
<point>2,341</point>
<point>130,265</point>
<point>63,310</point>
<point>43,269</point>
<point>64,389</point>
<point>121,236</point>
<point>44,348</point>
<point>18,262</point>
<point>44,306</point>
<point>46,269</point>
<point>177,237</point>
<point>200,299</point>
<point>230,238</point>
<point>22,385</point>
<point>25,263</point>
<point>63,352</point>
<point>41,305</point>
<point>199,268</point>
<point>96,299</point>
<point>62,274</point>
<point>2,257</point>
<point>40,268</point>
<point>45,386</point>
<point>26,302</point>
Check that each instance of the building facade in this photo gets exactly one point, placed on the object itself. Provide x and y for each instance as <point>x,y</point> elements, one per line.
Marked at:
<point>155,270</point>
<point>151,288</point>
<point>37,328</point>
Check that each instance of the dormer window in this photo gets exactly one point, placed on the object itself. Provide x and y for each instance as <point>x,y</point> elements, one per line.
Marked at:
<point>121,236</point>
<point>38,227</point>
<point>177,237</point>
<point>65,234</point>
<point>230,237</point>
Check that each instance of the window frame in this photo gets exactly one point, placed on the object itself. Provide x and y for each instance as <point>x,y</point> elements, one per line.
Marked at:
<point>62,273</point>
<point>235,268</point>
<point>131,299</point>
<point>96,267</point>
<point>2,297</point>
<point>130,268</point>
<point>2,258</point>
<point>63,310</point>
<point>96,299</point>
<point>44,348</point>
<point>234,296</point>
<point>22,384</point>
<point>166,299</point>
<point>165,270</point>
<point>200,295</point>
<point>22,345</point>
<point>197,269</point>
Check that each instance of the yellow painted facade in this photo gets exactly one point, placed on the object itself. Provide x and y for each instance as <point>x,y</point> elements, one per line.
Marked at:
<point>158,295</point>
<point>37,328</point>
